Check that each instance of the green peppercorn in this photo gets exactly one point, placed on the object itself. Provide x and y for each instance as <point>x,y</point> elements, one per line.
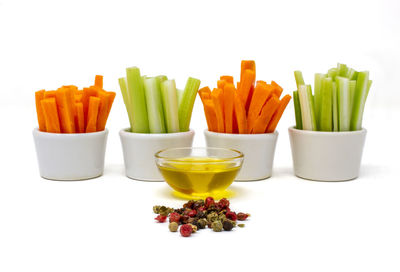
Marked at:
<point>217,226</point>
<point>156,209</point>
<point>227,225</point>
<point>173,227</point>
<point>212,217</point>
<point>202,223</point>
<point>194,228</point>
<point>222,217</point>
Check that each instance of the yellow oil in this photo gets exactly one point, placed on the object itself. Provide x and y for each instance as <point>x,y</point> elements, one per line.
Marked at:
<point>199,176</point>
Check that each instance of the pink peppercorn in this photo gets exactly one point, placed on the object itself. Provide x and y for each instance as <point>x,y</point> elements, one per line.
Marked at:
<point>186,230</point>
<point>209,201</point>
<point>161,218</point>
<point>192,213</point>
<point>174,217</point>
<point>231,216</point>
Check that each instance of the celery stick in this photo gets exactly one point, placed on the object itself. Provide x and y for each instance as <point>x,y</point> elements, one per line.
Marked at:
<point>298,75</point>
<point>360,97</point>
<point>326,105</point>
<point>170,103</point>
<point>161,78</point>
<point>154,105</point>
<point>350,73</point>
<point>137,100</point>
<point>297,110</point>
<point>187,101</point>
<point>352,89</point>
<point>342,70</point>
<point>306,104</point>
<point>343,90</point>
<point>332,73</point>
<point>335,118</point>
<point>179,94</point>
<point>317,95</point>
<point>125,96</point>
<point>311,97</point>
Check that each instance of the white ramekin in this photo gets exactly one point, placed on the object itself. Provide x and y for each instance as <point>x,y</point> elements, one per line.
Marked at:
<point>327,156</point>
<point>258,150</point>
<point>75,156</point>
<point>139,150</point>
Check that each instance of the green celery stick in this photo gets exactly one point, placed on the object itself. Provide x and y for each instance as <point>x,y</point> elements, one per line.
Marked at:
<point>125,96</point>
<point>161,78</point>
<point>298,75</point>
<point>344,98</point>
<point>187,101</point>
<point>137,100</point>
<point>317,95</point>
<point>297,110</point>
<point>350,73</point>
<point>352,89</point>
<point>179,94</point>
<point>332,73</point>
<point>335,118</point>
<point>355,75</point>
<point>360,97</point>
<point>326,105</point>
<point>154,105</point>
<point>306,104</point>
<point>170,105</point>
<point>342,70</point>
<point>312,103</point>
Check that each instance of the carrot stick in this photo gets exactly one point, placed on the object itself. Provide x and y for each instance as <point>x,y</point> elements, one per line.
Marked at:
<point>247,65</point>
<point>39,95</point>
<point>87,93</point>
<point>240,114</point>
<point>278,114</point>
<point>78,98</point>
<point>216,97</point>
<point>267,111</point>
<point>228,97</point>
<point>93,111</point>
<point>111,97</point>
<point>278,89</point>
<point>221,84</point>
<point>205,93</point>
<point>261,94</point>
<point>106,100</point>
<point>249,98</point>
<point>98,81</point>
<point>50,94</point>
<point>235,128</point>
<point>66,109</point>
<point>50,113</point>
<point>245,85</point>
<point>80,116</point>
<point>211,115</point>
<point>228,79</point>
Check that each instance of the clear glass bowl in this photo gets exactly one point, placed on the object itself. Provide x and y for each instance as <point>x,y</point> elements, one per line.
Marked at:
<point>199,172</point>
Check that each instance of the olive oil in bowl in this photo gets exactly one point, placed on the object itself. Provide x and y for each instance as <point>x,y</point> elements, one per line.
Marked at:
<point>200,171</point>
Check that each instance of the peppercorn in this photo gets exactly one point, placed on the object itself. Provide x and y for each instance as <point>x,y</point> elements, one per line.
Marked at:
<point>212,217</point>
<point>224,203</point>
<point>217,226</point>
<point>161,218</point>
<point>192,213</point>
<point>222,217</point>
<point>174,217</point>
<point>200,214</point>
<point>184,219</point>
<point>186,230</point>
<point>209,201</point>
<point>231,216</point>
<point>189,204</point>
<point>241,225</point>
<point>191,220</point>
<point>194,227</point>
<point>227,225</point>
<point>173,227</point>
<point>156,209</point>
<point>202,223</point>
<point>242,216</point>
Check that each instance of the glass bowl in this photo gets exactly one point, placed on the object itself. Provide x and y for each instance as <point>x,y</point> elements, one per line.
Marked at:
<point>199,172</point>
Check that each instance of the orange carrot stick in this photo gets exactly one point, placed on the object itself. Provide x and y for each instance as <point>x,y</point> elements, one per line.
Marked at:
<point>235,128</point>
<point>39,95</point>
<point>111,97</point>
<point>228,100</point>
<point>80,116</point>
<point>278,113</point>
<point>216,97</point>
<point>249,77</point>
<point>240,114</point>
<point>66,109</point>
<point>78,98</point>
<point>247,65</point>
<point>221,84</point>
<point>106,100</point>
<point>277,89</point>
<point>50,113</point>
<point>250,97</point>
<point>93,111</point>
<point>50,94</point>
<point>228,79</point>
<point>204,93</point>
<point>98,81</point>
<point>267,111</point>
<point>211,115</point>
<point>261,94</point>
<point>87,93</point>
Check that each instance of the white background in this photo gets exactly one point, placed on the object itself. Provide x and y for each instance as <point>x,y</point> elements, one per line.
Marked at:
<point>106,224</point>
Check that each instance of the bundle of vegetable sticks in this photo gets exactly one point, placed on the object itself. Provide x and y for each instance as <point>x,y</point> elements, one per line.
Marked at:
<point>249,108</point>
<point>337,103</point>
<point>155,105</point>
<point>69,110</point>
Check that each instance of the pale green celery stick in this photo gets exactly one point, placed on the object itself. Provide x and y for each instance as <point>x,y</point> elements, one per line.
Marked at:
<point>312,103</point>
<point>326,105</point>
<point>360,97</point>
<point>170,105</point>
<point>335,118</point>
<point>187,101</point>
<point>298,75</point>
<point>179,94</point>
<point>137,100</point>
<point>344,107</point>
<point>317,96</point>
<point>297,110</point>
<point>355,75</point>
<point>161,78</point>
<point>342,70</point>
<point>332,73</point>
<point>306,103</point>
<point>154,105</point>
<point>352,89</point>
<point>350,73</point>
<point>125,96</point>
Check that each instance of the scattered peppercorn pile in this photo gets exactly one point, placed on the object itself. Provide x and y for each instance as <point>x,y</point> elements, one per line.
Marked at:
<point>199,214</point>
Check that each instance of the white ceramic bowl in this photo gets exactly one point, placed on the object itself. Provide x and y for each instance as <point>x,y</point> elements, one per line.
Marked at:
<point>327,156</point>
<point>258,150</point>
<point>76,156</point>
<point>139,150</point>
